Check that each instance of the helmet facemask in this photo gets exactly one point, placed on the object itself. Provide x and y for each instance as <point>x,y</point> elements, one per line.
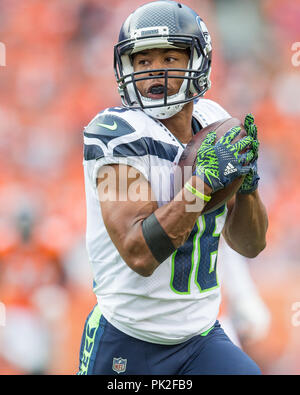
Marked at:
<point>195,80</point>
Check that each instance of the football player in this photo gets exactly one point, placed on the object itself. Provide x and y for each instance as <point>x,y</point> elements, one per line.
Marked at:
<point>154,261</point>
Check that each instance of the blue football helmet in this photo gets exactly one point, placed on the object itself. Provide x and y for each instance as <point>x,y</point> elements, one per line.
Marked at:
<point>163,24</point>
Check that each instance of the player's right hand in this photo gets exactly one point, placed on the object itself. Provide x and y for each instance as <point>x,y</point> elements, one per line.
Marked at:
<point>219,164</point>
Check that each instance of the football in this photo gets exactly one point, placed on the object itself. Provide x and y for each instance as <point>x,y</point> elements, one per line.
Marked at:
<point>187,161</point>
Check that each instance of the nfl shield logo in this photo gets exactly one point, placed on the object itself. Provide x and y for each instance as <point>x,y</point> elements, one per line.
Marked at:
<point>119,365</point>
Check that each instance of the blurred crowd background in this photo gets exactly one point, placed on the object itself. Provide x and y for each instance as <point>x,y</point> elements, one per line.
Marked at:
<point>58,76</point>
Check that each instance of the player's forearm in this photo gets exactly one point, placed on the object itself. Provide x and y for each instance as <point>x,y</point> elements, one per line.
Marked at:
<point>246,226</point>
<point>177,219</point>
<point>180,215</point>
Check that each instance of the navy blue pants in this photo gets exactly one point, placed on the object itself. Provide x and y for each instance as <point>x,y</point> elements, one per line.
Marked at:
<point>105,351</point>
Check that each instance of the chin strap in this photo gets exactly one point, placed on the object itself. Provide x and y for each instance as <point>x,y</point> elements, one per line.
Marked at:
<point>164,112</point>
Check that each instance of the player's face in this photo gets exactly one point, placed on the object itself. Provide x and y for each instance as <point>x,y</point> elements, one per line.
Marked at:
<point>160,58</point>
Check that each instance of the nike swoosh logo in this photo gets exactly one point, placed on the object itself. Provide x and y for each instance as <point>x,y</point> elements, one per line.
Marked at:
<point>110,127</point>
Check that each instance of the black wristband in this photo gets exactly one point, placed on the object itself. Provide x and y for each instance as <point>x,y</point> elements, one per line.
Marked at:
<point>156,238</point>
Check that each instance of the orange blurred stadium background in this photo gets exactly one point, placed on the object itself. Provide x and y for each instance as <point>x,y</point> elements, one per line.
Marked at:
<point>58,76</point>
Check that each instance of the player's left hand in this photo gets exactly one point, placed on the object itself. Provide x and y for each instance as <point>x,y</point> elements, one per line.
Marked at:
<point>213,159</point>
<point>250,182</point>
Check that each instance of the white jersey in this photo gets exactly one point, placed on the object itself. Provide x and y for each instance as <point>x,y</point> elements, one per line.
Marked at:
<point>181,298</point>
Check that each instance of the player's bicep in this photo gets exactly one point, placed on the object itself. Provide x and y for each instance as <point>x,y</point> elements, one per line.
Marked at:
<point>126,199</point>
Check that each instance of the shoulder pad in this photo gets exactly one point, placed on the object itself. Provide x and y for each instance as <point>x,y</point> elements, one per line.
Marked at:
<point>107,127</point>
<point>210,106</point>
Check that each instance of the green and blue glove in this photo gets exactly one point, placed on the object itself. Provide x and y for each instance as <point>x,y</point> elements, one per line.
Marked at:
<point>219,164</point>
<point>250,182</point>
